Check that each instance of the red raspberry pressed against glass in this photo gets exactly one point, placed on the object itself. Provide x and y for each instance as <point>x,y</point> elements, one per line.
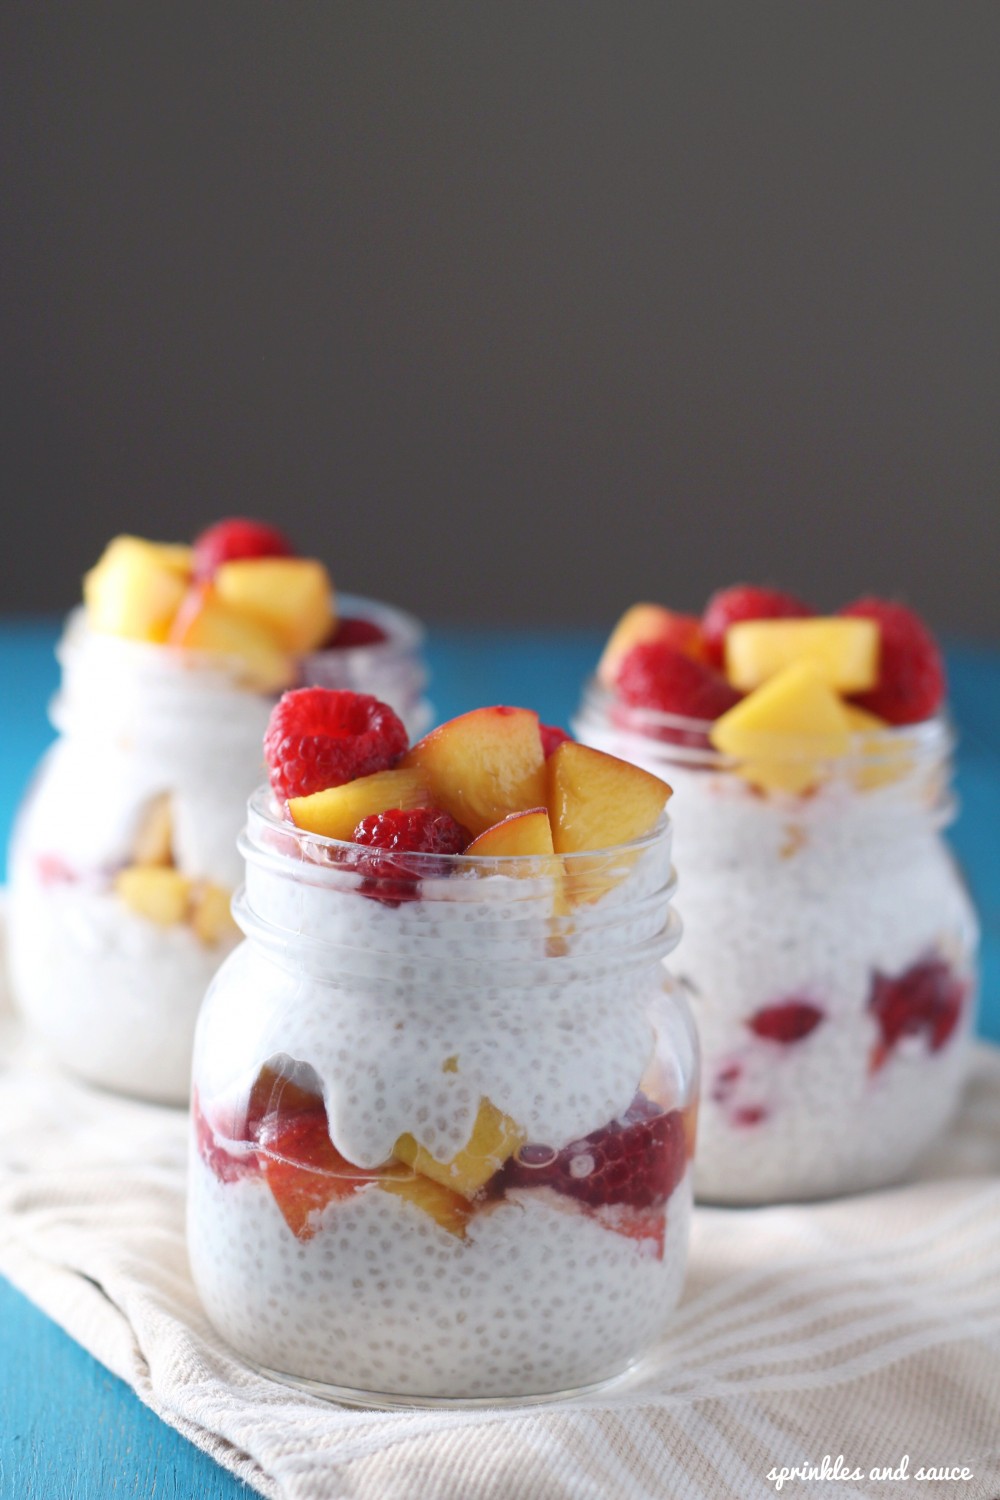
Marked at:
<point>423,830</point>
<point>319,738</point>
<point>235,540</point>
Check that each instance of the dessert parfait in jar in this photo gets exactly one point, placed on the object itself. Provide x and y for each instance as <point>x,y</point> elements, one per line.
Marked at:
<point>444,1093</point>
<point>830,944</point>
<point>124,855</point>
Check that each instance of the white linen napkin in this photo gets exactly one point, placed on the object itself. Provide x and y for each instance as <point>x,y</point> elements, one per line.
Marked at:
<point>864,1331</point>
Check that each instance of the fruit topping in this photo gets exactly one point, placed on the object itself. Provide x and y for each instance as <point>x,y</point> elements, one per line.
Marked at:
<point>526,834</point>
<point>292,596</point>
<point>745,601</point>
<point>789,1021</point>
<point>318,738</point>
<point>495,1137</point>
<point>660,677</point>
<point>881,756</point>
<point>911,677</point>
<point>644,624</point>
<point>846,652</point>
<point>423,830</point>
<point>924,1000</point>
<point>596,801</point>
<point>784,732</point>
<point>336,812</point>
<point>237,538</point>
<point>204,623</point>
<point>483,765</point>
<point>352,631</point>
<point>136,588</point>
<point>637,1160</point>
<point>552,738</point>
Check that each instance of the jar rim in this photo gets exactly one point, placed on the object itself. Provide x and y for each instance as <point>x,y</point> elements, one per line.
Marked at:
<point>929,739</point>
<point>405,635</point>
<point>263,815</point>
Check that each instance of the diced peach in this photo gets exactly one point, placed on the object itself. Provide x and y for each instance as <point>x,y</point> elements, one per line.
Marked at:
<point>204,623</point>
<point>844,651</point>
<point>292,596</point>
<point>154,837</point>
<point>597,802</point>
<point>526,834</point>
<point>785,731</point>
<point>495,1137</point>
<point>161,896</point>
<point>482,766</point>
<point>211,914</point>
<point>136,589</point>
<point>450,1210</point>
<point>337,812</point>
<point>642,624</point>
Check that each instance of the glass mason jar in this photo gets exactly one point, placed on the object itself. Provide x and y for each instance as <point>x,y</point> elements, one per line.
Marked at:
<point>829,952</point>
<point>124,854</point>
<point>443,1120</point>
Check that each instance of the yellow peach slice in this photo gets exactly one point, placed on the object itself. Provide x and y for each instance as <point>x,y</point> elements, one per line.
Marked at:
<point>783,733</point>
<point>596,801</point>
<point>450,1210</point>
<point>161,896</point>
<point>292,596</point>
<point>135,589</point>
<point>494,1138</point>
<point>483,765</point>
<point>645,623</point>
<point>337,812</point>
<point>525,834</point>
<point>844,651</point>
<point>205,623</point>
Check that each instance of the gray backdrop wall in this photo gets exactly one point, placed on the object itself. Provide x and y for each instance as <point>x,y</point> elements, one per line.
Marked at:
<point>515,311</point>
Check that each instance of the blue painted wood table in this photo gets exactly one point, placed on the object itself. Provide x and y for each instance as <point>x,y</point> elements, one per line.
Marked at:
<point>67,1427</point>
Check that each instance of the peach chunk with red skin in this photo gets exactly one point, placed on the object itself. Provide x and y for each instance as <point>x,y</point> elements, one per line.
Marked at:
<point>483,765</point>
<point>643,624</point>
<point>205,623</point>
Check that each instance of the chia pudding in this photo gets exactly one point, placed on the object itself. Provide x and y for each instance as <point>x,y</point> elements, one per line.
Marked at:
<point>124,855</point>
<point>443,1117</point>
<point>829,946</point>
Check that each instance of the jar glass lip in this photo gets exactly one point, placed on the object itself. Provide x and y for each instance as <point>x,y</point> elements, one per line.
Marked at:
<point>677,736</point>
<point>265,824</point>
<point>404,636</point>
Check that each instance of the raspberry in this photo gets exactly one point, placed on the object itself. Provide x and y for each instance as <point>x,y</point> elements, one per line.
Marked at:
<point>352,631</point>
<point>911,679</point>
<point>657,676</point>
<point>745,601</point>
<point>229,541</point>
<point>318,738</point>
<point>791,1021</point>
<point>926,999</point>
<point>552,738</point>
<point>637,1160</point>
<point>423,830</point>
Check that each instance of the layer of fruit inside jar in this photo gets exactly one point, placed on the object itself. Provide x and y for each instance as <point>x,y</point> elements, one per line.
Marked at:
<point>621,1174</point>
